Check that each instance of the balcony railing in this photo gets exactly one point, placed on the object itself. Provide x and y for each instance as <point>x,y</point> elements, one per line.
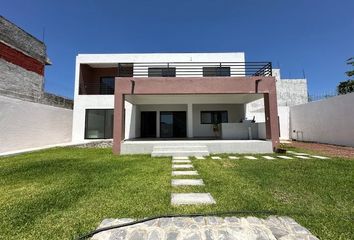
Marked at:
<point>98,83</point>
<point>202,69</point>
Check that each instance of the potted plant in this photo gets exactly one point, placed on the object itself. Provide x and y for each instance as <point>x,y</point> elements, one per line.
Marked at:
<point>216,129</point>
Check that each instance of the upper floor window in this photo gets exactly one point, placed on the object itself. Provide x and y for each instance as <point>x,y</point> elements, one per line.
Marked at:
<point>107,85</point>
<point>213,117</point>
<point>162,72</point>
<point>125,70</point>
<point>216,71</point>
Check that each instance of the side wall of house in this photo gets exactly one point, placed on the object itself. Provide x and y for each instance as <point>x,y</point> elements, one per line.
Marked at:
<point>326,121</point>
<point>27,125</point>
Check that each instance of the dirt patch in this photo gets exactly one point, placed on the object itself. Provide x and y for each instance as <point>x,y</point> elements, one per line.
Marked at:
<point>326,149</point>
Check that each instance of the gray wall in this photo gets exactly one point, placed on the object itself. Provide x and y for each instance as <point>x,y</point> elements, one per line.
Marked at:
<point>326,121</point>
<point>18,82</point>
<point>20,39</point>
<point>27,125</point>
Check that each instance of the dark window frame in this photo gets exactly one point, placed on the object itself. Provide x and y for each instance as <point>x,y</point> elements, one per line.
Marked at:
<point>219,118</point>
<point>165,72</point>
<point>104,91</point>
<point>105,119</point>
<point>216,71</point>
<point>125,69</point>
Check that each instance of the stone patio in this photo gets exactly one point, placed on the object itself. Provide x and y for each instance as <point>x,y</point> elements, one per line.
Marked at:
<point>207,228</point>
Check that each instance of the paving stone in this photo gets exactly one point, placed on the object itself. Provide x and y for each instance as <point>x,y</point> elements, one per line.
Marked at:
<point>212,220</point>
<point>251,157</point>
<point>199,158</point>
<point>232,220</point>
<point>187,182</point>
<point>319,157</point>
<point>182,222</point>
<point>175,166</point>
<point>155,235</point>
<point>181,173</point>
<point>172,235</point>
<point>118,234</point>
<point>268,157</point>
<point>191,198</point>
<point>215,158</point>
<point>199,220</point>
<point>209,234</point>
<point>180,158</point>
<point>233,157</point>
<point>164,222</point>
<point>285,157</point>
<point>181,161</point>
<point>138,235</point>
<point>302,157</point>
<point>192,236</point>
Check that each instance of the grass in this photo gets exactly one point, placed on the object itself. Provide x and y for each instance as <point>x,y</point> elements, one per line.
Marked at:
<point>64,192</point>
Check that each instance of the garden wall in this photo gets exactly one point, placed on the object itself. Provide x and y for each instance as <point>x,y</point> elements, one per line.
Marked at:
<point>325,121</point>
<point>26,124</point>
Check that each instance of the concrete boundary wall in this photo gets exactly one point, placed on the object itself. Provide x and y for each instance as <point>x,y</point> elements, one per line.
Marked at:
<point>30,125</point>
<point>326,121</point>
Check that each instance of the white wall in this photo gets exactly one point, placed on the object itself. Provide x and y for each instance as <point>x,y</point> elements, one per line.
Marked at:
<point>27,125</point>
<point>326,121</point>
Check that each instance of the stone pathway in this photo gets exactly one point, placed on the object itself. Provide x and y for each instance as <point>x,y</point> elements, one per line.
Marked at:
<point>207,228</point>
<point>290,156</point>
<point>187,198</point>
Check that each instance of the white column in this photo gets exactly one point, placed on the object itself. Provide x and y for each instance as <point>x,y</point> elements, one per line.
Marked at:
<point>190,120</point>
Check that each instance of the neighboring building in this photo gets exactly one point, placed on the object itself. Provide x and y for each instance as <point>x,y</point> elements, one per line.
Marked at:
<point>22,63</point>
<point>29,116</point>
<point>290,92</point>
<point>174,103</point>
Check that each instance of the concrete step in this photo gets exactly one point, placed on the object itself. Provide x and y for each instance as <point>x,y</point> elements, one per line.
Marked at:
<point>179,153</point>
<point>174,148</point>
<point>180,150</point>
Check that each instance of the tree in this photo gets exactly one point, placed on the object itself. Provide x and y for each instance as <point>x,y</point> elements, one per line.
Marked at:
<point>347,86</point>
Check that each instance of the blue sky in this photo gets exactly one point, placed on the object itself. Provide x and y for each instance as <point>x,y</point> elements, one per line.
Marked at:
<point>316,36</point>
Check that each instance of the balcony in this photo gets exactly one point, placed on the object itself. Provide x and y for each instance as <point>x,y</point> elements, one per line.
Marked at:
<point>98,79</point>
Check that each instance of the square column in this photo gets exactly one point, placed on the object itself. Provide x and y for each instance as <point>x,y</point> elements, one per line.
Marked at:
<point>190,120</point>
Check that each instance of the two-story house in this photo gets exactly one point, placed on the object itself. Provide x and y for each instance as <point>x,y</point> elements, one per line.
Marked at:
<point>175,103</point>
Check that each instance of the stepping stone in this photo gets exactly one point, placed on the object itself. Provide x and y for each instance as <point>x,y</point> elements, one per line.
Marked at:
<point>319,157</point>
<point>302,157</point>
<point>251,157</point>
<point>182,166</point>
<point>233,157</point>
<point>200,158</point>
<point>216,158</point>
<point>181,173</point>
<point>301,154</point>
<point>180,158</point>
<point>268,157</point>
<point>187,182</point>
<point>292,152</point>
<point>181,161</point>
<point>285,157</point>
<point>191,198</point>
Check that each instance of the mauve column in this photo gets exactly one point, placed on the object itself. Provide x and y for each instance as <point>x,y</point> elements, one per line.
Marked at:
<point>271,117</point>
<point>118,126</point>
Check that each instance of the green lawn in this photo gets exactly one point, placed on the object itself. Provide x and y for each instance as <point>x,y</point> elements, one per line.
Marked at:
<point>63,192</point>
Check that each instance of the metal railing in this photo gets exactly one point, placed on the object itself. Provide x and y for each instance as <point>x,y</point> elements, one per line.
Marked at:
<point>200,69</point>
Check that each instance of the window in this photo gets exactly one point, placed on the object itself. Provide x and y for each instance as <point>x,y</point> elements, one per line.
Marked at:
<point>213,117</point>
<point>216,71</point>
<point>99,124</point>
<point>107,85</point>
<point>162,72</point>
<point>125,70</point>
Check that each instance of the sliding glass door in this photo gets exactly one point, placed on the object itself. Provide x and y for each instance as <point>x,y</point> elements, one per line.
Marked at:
<point>173,124</point>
